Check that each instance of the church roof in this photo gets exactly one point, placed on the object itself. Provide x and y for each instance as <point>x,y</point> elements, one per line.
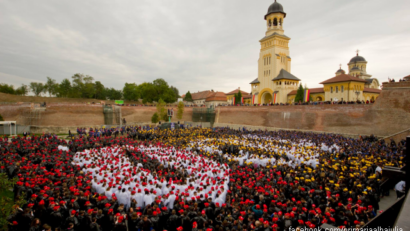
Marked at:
<point>372,90</point>
<point>272,35</point>
<point>255,81</point>
<point>216,96</point>
<point>312,91</point>
<point>283,74</point>
<point>200,95</point>
<point>357,58</point>
<point>236,91</point>
<point>342,78</point>
<point>276,7</point>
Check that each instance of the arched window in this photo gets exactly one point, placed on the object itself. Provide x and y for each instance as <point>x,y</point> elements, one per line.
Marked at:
<point>342,88</point>
<point>275,22</point>
<point>280,22</point>
<point>331,89</point>
<point>337,89</point>
<point>270,23</point>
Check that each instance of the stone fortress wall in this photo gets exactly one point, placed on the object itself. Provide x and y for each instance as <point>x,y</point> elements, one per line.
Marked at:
<point>389,115</point>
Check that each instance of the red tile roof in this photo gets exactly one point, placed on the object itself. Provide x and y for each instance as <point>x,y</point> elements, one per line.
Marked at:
<point>372,90</point>
<point>216,96</point>
<point>236,91</point>
<point>343,78</point>
<point>247,96</point>
<point>200,95</point>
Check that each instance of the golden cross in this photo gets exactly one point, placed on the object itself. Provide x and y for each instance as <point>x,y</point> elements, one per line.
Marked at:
<point>357,52</point>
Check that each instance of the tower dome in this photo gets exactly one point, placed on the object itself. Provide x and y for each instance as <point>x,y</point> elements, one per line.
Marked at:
<point>275,8</point>
<point>357,59</point>
<point>340,71</point>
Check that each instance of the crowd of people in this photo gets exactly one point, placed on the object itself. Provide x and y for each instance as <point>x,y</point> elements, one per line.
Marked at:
<point>196,179</point>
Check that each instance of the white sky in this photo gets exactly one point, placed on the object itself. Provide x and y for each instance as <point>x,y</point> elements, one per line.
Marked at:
<point>196,45</point>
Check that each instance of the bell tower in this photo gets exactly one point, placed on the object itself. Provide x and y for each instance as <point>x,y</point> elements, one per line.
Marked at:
<point>274,19</point>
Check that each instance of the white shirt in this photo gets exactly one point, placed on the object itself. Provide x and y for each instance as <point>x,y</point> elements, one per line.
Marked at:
<point>400,186</point>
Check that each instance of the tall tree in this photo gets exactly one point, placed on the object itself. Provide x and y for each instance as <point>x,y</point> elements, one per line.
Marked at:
<point>5,88</point>
<point>299,94</point>
<point>148,92</point>
<point>113,94</point>
<point>88,90</point>
<point>77,85</point>
<point>22,90</point>
<point>64,88</point>
<point>99,90</point>
<point>176,91</point>
<point>37,88</point>
<point>238,97</point>
<point>51,86</point>
<point>188,97</point>
<point>130,91</point>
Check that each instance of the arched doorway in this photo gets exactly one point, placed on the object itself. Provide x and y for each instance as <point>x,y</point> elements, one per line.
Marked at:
<point>266,98</point>
<point>319,99</point>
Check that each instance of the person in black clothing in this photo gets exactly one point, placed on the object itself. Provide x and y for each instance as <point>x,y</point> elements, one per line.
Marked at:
<point>145,224</point>
<point>94,226</point>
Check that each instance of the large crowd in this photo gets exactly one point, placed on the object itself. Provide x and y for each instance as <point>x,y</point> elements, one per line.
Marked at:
<point>195,179</point>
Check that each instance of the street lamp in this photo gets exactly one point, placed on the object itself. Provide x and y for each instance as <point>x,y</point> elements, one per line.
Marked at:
<point>357,95</point>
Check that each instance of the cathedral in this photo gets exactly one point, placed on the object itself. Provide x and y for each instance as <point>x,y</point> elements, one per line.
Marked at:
<point>276,84</point>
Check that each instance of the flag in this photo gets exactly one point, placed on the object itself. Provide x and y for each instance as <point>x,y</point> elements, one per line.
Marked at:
<point>242,100</point>
<point>253,99</point>
<point>274,98</point>
<point>306,96</point>
<point>233,100</point>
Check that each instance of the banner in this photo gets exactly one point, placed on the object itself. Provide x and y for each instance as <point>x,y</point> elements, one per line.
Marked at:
<point>274,98</point>
<point>306,96</point>
<point>253,99</point>
<point>119,101</point>
<point>242,100</point>
<point>233,100</point>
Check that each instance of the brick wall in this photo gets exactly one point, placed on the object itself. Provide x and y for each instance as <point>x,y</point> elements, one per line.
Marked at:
<point>389,115</point>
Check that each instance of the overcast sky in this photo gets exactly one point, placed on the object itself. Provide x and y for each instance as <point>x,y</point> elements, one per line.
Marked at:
<point>196,44</point>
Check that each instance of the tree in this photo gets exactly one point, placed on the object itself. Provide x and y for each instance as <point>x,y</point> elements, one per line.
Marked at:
<point>88,90</point>
<point>238,97</point>
<point>180,111</point>
<point>64,89</point>
<point>130,91</point>
<point>188,97</point>
<point>155,118</point>
<point>22,90</point>
<point>5,88</point>
<point>7,204</point>
<point>113,94</point>
<point>51,86</point>
<point>99,90</point>
<point>299,94</point>
<point>176,91</point>
<point>37,88</point>
<point>77,85</point>
<point>147,92</point>
<point>161,110</point>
